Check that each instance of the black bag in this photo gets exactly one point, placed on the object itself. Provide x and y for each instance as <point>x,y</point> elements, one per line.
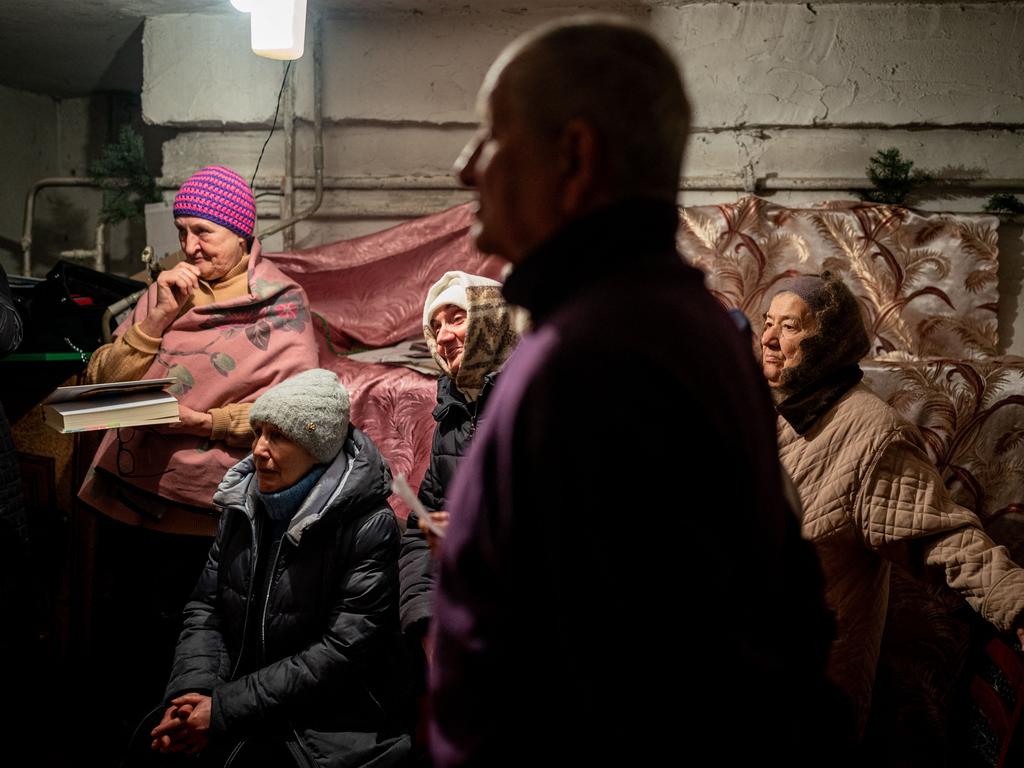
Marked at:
<point>64,312</point>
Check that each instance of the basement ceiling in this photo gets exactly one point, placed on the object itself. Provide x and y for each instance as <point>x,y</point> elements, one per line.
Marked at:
<point>66,48</point>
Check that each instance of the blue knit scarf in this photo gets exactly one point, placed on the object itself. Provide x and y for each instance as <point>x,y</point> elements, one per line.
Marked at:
<point>282,505</point>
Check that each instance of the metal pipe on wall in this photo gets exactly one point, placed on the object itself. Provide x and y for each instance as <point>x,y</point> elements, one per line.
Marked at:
<point>446,183</point>
<point>30,203</point>
<point>287,183</point>
<point>96,254</point>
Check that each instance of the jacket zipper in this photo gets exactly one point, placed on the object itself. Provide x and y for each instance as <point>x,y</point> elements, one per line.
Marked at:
<point>234,753</point>
<point>373,698</point>
<point>478,406</point>
<point>302,749</point>
<point>272,576</point>
<point>248,604</point>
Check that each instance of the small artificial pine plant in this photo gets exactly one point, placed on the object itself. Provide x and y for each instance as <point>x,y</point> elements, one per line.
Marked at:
<point>1004,202</point>
<point>122,174</point>
<point>895,180</point>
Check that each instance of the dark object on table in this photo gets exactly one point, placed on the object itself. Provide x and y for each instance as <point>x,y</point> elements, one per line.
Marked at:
<point>62,319</point>
<point>63,312</point>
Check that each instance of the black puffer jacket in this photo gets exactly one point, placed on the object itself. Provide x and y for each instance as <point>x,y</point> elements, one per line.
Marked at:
<point>457,420</point>
<point>323,671</point>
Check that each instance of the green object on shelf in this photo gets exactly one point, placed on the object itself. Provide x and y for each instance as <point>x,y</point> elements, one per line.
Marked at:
<point>126,181</point>
<point>1003,202</point>
<point>895,180</point>
<point>35,357</point>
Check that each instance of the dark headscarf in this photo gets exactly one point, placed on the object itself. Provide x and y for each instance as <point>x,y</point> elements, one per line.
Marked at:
<point>829,368</point>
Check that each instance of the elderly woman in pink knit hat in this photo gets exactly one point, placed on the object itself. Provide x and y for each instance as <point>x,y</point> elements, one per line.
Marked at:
<point>227,325</point>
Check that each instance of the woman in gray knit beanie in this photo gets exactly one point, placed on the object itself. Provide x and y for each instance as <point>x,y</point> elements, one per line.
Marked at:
<point>870,494</point>
<point>298,602</point>
<point>311,411</point>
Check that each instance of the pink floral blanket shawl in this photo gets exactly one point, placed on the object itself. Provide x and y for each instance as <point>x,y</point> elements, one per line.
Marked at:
<point>221,353</point>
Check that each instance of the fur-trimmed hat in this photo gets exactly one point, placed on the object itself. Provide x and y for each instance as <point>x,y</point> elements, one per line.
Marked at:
<point>311,409</point>
<point>220,195</point>
<point>451,289</point>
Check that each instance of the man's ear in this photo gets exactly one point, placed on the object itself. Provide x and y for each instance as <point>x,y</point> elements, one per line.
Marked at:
<point>580,168</point>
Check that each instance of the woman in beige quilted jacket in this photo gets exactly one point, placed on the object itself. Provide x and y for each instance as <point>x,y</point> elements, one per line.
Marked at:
<point>869,491</point>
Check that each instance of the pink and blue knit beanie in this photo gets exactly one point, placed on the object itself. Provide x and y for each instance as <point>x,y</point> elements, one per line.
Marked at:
<point>220,195</point>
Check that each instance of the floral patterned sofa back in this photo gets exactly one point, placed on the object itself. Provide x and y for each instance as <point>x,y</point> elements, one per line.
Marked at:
<point>928,287</point>
<point>927,283</point>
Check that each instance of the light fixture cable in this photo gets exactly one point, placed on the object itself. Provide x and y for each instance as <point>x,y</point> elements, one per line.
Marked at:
<point>273,125</point>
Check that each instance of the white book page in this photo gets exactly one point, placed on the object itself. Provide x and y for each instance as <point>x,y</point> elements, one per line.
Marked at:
<point>111,389</point>
<point>137,400</point>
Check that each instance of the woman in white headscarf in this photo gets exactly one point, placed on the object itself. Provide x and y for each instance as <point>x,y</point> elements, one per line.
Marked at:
<point>470,331</point>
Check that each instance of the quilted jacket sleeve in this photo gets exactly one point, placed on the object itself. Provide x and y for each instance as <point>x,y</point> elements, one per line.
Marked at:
<point>364,597</point>
<point>906,514</point>
<point>201,659</point>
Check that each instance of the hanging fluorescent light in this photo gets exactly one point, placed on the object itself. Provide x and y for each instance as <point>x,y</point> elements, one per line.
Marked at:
<point>277,28</point>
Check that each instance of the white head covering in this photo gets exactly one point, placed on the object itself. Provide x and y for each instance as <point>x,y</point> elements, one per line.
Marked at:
<point>451,289</point>
<point>492,326</point>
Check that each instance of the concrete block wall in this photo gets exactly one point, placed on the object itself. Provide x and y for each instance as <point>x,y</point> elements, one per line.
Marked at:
<point>30,152</point>
<point>50,137</point>
<point>781,90</point>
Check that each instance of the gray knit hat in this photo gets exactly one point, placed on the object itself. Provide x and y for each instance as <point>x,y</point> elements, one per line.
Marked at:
<point>311,409</point>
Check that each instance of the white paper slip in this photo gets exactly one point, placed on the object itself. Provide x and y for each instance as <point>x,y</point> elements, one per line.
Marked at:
<point>399,486</point>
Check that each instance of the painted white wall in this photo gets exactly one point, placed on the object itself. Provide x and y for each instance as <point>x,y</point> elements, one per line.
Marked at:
<point>66,218</point>
<point>780,90</point>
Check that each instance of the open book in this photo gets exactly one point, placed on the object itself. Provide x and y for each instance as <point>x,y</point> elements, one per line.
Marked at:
<point>108,406</point>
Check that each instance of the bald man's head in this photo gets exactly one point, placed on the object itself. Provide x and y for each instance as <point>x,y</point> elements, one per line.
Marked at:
<point>615,76</point>
<point>577,114</point>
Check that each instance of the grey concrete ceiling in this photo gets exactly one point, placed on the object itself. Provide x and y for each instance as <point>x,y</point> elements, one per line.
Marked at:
<point>73,47</point>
